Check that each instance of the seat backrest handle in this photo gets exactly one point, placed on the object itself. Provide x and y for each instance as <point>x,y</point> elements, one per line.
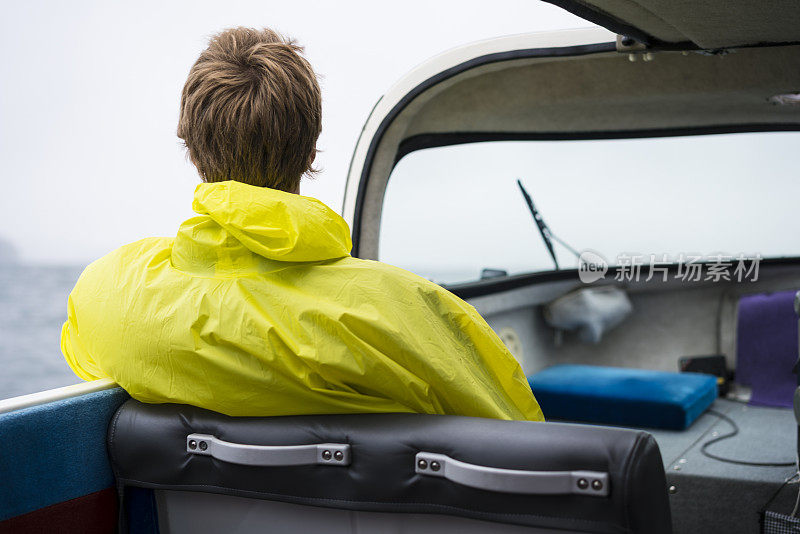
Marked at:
<point>590,483</point>
<point>268,455</point>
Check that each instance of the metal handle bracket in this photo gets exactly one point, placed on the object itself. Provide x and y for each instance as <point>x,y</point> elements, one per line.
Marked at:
<point>590,483</point>
<point>268,455</point>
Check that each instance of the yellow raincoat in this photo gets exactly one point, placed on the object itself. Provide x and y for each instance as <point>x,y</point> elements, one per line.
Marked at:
<point>256,308</point>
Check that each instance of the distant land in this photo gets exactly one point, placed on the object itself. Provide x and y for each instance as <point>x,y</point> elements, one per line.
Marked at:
<point>8,254</point>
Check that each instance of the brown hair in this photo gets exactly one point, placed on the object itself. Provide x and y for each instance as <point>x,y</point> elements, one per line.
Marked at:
<point>251,110</point>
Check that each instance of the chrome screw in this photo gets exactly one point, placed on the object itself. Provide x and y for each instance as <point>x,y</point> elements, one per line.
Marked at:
<point>326,455</point>
<point>673,490</point>
<point>338,455</point>
<point>192,444</point>
<point>435,466</point>
<point>597,485</point>
<point>422,464</point>
<point>203,445</point>
<point>583,483</point>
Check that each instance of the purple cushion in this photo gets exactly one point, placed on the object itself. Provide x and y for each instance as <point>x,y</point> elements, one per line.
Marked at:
<point>766,347</point>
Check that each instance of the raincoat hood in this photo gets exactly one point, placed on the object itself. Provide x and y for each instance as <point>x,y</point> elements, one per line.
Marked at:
<point>241,225</point>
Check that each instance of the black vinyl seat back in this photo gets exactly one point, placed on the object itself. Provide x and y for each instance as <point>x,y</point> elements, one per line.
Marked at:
<point>545,476</point>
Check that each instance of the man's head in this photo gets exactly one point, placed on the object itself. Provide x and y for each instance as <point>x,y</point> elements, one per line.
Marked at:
<point>251,110</point>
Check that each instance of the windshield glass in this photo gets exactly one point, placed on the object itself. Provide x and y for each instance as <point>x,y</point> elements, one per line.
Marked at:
<point>451,212</point>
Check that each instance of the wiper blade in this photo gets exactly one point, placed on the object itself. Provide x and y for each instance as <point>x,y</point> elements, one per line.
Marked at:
<point>544,230</point>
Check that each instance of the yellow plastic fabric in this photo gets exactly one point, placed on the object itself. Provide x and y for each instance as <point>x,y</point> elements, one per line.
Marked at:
<point>256,308</point>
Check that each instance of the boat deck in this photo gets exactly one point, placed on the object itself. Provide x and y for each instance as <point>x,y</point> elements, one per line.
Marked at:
<point>731,496</point>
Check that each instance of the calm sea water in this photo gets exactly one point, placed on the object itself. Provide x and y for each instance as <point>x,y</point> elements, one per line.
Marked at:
<point>33,306</point>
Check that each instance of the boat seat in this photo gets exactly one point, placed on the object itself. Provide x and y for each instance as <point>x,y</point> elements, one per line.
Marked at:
<point>385,473</point>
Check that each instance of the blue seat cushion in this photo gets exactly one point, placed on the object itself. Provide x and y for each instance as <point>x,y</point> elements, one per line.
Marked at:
<point>625,397</point>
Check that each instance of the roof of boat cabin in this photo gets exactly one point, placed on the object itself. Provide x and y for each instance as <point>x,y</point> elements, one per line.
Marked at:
<point>563,85</point>
<point>709,24</point>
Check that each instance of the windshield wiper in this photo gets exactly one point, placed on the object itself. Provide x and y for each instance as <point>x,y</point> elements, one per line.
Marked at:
<point>547,235</point>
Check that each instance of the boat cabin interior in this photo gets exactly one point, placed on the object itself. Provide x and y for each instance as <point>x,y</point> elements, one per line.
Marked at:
<point>668,386</point>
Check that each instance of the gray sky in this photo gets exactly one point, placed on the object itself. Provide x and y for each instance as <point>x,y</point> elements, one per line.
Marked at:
<point>700,195</point>
<point>89,95</point>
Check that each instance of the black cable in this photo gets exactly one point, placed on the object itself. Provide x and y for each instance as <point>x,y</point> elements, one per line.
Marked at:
<point>771,499</point>
<point>735,431</point>
<point>791,480</point>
